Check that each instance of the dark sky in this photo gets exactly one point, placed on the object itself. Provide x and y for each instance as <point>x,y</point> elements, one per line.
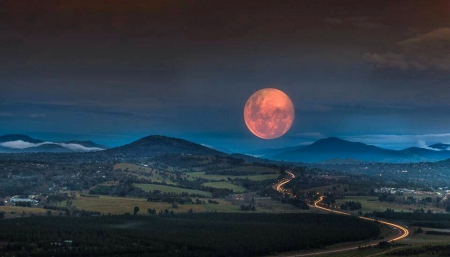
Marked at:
<point>114,71</point>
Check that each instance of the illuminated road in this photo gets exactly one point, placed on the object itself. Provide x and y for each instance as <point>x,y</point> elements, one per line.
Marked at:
<point>279,186</point>
<point>403,232</point>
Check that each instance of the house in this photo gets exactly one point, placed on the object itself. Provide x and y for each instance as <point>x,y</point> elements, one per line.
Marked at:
<point>22,200</point>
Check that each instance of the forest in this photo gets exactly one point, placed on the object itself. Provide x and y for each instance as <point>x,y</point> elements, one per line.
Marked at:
<point>198,234</point>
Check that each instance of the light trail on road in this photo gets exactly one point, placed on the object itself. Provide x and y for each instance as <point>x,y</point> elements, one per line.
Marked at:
<point>404,231</point>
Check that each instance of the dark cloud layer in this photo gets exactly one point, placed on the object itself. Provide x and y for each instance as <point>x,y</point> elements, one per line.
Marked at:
<point>124,69</point>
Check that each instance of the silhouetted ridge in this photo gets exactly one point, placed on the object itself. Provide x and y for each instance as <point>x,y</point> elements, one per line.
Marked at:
<point>440,146</point>
<point>336,148</point>
<point>16,137</point>
<point>159,145</point>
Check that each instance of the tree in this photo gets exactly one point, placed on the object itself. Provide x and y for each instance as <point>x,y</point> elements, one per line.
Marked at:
<point>136,210</point>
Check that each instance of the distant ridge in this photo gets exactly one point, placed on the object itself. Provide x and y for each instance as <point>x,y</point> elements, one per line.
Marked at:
<point>334,148</point>
<point>440,146</point>
<point>17,143</point>
<point>16,137</point>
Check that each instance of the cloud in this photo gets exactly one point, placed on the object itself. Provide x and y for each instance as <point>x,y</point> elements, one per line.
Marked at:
<point>19,144</point>
<point>6,114</point>
<point>38,115</point>
<point>401,141</point>
<point>78,147</point>
<point>363,22</point>
<point>423,144</point>
<point>423,52</point>
<point>309,135</point>
<point>334,21</point>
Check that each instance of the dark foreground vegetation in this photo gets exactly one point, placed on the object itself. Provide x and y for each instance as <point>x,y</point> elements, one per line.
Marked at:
<point>433,250</point>
<point>208,234</point>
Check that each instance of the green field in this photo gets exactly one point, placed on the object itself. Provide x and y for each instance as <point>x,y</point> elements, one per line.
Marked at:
<point>371,203</point>
<point>122,205</point>
<point>228,185</point>
<point>212,177</point>
<point>170,189</point>
<point>16,211</point>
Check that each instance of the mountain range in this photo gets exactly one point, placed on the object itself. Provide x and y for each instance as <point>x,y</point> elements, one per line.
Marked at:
<point>16,143</point>
<point>329,150</point>
<point>339,150</point>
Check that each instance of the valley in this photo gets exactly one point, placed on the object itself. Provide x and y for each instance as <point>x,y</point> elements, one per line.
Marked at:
<point>129,185</point>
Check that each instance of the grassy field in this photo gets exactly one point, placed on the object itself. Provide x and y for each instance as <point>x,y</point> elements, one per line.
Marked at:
<point>228,185</point>
<point>225,177</point>
<point>371,203</point>
<point>254,168</point>
<point>223,206</point>
<point>170,189</point>
<point>16,211</point>
<point>121,205</point>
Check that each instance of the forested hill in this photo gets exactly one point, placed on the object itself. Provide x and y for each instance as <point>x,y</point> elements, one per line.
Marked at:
<point>159,145</point>
<point>202,234</point>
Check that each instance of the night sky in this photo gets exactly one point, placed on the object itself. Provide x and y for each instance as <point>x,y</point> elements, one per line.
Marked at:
<point>114,71</point>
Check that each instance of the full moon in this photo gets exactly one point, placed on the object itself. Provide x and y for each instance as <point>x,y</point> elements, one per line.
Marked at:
<point>269,113</point>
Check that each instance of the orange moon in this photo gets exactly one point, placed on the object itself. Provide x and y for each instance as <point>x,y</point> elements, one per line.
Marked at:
<point>269,113</point>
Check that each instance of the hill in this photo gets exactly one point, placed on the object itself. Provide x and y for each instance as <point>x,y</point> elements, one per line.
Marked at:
<point>152,146</point>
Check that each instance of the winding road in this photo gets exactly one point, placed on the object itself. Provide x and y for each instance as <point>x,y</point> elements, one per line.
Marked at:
<point>402,231</point>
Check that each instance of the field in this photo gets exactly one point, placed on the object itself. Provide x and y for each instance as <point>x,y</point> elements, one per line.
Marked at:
<point>213,177</point>
<point>16,211</point>
<point>228,185</point>
<point>155,174</point>
<point>170,189</point>
<point>371,203</point>
<point>122,205</point>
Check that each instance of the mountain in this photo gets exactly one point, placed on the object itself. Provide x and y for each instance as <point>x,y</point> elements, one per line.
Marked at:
<point>152,146</point>
<point>16,143</point>
<point>429,155</point>
<point>440,146</point>
<point>19,137</point>
<point>334,148</point>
